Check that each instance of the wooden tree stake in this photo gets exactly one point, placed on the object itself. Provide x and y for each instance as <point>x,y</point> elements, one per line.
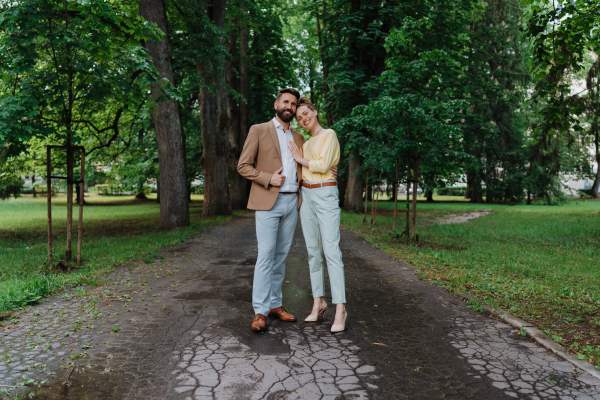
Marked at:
<point>366,196</point>
<point>415,184</point>
<point>407,231</point>
<point>372,197</point>
<point>49,195</point>
<point>68,252</point>
<point>80,222</point>
<point>397,183</point>
<point>377,201</point>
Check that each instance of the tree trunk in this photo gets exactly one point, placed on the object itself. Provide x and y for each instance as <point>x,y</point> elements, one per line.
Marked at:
<point>355,185</point>
<point>476,192</point>
<point>166,116</point>
<point>429,196</point>
<point>33,183</point>
<point>342,186</point>
<point>215,129</point>
<point>596,184</point>
<point>68,252</point>
<point>77,191</point>
<point>414,205</point>
<point>245,77</point>
<point>158,191</point>
<point>489,194</point>
<point>237,182</point>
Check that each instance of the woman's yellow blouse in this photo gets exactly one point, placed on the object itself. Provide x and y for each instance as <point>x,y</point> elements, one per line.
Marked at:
<point>322,152</point>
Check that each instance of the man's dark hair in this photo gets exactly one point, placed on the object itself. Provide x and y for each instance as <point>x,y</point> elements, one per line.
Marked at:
<point>291,91</point>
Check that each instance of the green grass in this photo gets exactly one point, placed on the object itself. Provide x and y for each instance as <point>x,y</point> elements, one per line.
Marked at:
<point>116,229</point>
<point>538,262</point>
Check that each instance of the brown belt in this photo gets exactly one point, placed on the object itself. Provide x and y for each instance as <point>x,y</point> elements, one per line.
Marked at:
<point>318,185</point>
<point>288,192</point>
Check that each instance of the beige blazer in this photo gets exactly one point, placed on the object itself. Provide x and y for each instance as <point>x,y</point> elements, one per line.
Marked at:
<point>260,158</point>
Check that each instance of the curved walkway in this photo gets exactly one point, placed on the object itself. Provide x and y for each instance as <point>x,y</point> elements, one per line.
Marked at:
<point>179,329</point>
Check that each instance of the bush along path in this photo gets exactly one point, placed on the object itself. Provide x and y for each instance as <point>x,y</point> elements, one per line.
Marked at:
<point>178,328</point>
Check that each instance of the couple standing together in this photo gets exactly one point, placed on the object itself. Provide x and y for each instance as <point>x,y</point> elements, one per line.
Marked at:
<point>291,176</point>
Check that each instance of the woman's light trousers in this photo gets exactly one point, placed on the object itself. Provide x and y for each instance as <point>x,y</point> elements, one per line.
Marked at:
<point>320,219</point>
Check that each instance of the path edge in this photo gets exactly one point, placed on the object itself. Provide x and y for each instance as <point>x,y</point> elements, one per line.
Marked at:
<point>537,336</point>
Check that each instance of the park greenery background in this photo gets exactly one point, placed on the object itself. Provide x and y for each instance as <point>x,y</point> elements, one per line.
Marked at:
<point>501,95</point>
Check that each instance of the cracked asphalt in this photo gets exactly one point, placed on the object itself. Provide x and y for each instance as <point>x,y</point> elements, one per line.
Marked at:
<point>179,328</point>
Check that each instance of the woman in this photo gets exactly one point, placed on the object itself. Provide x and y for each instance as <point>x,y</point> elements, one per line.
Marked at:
<point>320,213</point>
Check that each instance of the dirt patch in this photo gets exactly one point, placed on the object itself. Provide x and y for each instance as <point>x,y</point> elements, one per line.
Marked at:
<point>461,218</point>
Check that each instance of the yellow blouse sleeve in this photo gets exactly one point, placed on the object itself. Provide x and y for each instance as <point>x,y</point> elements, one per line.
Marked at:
<point>329,153</point>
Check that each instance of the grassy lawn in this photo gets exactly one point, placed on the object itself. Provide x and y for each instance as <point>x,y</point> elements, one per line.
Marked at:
<point>538,262</point>
<point>116,229</point>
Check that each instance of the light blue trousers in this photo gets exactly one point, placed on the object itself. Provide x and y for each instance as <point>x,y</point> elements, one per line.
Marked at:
<point>274,233</point>
<point>320,218</point>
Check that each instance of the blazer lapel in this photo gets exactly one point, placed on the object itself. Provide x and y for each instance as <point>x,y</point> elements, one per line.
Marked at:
<point>297,136</point>
<point>273,133</point>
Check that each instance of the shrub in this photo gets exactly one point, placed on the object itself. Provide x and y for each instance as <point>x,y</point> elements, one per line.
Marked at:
<point>197,189</point>
<point>452,191</point>
<point>10,185</point>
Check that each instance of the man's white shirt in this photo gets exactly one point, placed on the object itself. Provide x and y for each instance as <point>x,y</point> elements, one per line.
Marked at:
<point>287,161</point>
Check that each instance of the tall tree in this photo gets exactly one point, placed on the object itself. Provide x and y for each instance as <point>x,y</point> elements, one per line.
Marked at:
<point>66,63</point>
<point>166,116</point>
<point>212,101</point>
<point>561,33</point>
<point>238,99</point>
<point>353,58</point>
<point>497,84</point>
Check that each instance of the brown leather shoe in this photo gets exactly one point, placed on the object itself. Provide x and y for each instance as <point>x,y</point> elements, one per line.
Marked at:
<point>283,315</point>
<point>260,323</point>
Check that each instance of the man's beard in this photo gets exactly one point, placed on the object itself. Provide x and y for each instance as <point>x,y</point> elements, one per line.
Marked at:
<point>285,117</point>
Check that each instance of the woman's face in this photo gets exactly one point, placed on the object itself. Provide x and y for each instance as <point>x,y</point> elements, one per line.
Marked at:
<point>306,117</point>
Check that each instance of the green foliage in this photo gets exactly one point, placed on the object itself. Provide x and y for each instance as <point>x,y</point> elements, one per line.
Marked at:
<point>420,114</point>
<point>271,65</point>
<point>563,34</point>
<point>497,88</point>
<point>351,48</point>
<point>10,185</point>
<point>70,68</point>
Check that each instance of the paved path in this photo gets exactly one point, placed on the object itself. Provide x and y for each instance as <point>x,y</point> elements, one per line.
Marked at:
<point>179,329</point>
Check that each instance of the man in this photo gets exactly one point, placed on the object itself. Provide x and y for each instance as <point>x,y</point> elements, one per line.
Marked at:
<point>275,196</point>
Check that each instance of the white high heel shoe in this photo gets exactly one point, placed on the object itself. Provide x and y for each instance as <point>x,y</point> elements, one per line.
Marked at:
<point>342,326</point>
<point>321,314</point>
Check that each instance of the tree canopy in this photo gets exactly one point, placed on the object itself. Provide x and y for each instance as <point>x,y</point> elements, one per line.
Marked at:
<point>501,95</point>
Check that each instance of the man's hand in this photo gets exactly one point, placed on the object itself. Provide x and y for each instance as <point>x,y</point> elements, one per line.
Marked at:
<point>334,171</point>
<point>277,180</point>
